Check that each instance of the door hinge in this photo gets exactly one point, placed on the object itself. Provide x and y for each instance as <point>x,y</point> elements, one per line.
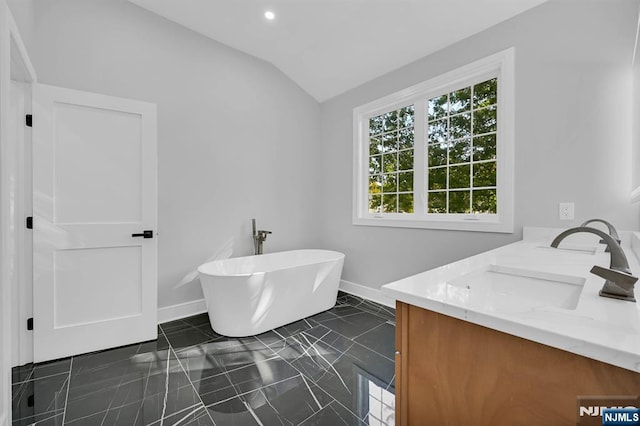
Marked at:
<point>29,222</point>
<point>29,120</point>
<point>30,324</point>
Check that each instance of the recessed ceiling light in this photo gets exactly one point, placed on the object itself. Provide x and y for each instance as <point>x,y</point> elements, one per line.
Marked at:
<point>269,15</point>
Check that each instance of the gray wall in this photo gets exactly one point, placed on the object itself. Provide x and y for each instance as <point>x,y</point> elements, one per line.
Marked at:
<point>237,139</point>
<point>572,130</point>
<point>636,117</point>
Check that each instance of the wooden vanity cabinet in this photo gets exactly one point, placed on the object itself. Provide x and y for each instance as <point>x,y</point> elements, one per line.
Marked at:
<point>452,372</point>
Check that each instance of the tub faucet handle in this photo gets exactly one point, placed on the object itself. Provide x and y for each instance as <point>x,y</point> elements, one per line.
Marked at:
<point>262,235</point>
<point>259,237</point>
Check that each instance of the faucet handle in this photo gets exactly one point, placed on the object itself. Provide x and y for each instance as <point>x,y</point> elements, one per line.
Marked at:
<point>262,234</point>
<point>608,250</point>
<point>622,279</point>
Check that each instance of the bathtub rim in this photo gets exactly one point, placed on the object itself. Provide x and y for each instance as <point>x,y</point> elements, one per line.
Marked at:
<point>339,256</point>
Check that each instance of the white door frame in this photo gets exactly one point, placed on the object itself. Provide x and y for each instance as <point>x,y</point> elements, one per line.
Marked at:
<point>14,64</point>
<point>22,339</point>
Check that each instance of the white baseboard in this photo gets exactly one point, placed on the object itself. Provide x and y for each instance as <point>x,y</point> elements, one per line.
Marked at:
<point>181,310</point>
<point>368,293</point>
<point>3,419</point>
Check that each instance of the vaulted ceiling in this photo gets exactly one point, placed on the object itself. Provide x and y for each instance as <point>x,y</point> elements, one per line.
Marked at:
<point>330,46</point>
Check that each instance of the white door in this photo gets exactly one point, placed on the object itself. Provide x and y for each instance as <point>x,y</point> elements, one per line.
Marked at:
<point>94,192</point>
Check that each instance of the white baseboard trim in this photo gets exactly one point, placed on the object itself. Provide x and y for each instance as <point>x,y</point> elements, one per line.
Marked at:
<point>3,419</point>
<point>368,293</point>
<point>181,310</point>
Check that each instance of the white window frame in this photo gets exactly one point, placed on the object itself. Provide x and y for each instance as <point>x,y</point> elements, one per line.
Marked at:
<point>500,65</point>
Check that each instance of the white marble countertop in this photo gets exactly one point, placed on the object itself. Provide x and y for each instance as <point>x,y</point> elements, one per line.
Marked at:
<point>600,328</point>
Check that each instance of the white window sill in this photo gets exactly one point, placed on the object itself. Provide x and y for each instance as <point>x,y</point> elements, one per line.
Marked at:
<point>468,223</point>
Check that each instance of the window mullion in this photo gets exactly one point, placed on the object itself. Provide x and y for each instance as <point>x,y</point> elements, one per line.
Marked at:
<point>471,183</point>
<point>419,159</point>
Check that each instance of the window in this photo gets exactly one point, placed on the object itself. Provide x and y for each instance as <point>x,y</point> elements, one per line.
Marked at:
<point>391,162</point>
<point>439,154</point>
<point>461,150</point>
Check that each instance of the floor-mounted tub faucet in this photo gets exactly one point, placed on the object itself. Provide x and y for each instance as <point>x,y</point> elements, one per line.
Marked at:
<point>259,237</point>
<point>610,227</point>
<point>619,281</point>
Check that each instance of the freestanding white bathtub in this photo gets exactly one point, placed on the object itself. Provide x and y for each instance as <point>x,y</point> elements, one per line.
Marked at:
<point>249,295</point>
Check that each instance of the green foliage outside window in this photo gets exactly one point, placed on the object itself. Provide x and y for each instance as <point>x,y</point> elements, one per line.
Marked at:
<point>461,150</point>
<point>391,140</point>
<point>461,175</point>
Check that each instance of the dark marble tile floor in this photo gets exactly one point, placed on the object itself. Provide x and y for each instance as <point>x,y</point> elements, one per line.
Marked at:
<point>334,368</point>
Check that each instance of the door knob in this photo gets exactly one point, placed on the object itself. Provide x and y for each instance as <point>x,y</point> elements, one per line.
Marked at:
<point>145,234</point>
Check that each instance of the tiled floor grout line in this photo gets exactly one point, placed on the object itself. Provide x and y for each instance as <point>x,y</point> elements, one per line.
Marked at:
<point>330,364</point>
<point>363,310</point>
<point>191,346</point>
<point>166,386</point>
<point>171,350</point>
<point>66,398</point>
<point>213,340</point>
<point>194,409</point>
<point>376,352</point>
<point>359,311</point>
<point>393,378</point>
<point>354,342</point>
<point>29,377</point>
<point>363,333</point>
<point>188,327</point>
<point>384,317</point>
<point>146,385</point>
<point>331,397</point>
<point>233,384</point>
<point>261,388</point>
<point>362,305</point>
<point>175,414</point>
<point>17,392</point>
<point>52,414</point>
<point>39,378</point>
<point>360,421</point>
<point>289,363</point>
<point>226,372</point>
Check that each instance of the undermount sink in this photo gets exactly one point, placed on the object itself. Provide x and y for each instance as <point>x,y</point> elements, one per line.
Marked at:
<point>573,249</point>
<point>497,285</point>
